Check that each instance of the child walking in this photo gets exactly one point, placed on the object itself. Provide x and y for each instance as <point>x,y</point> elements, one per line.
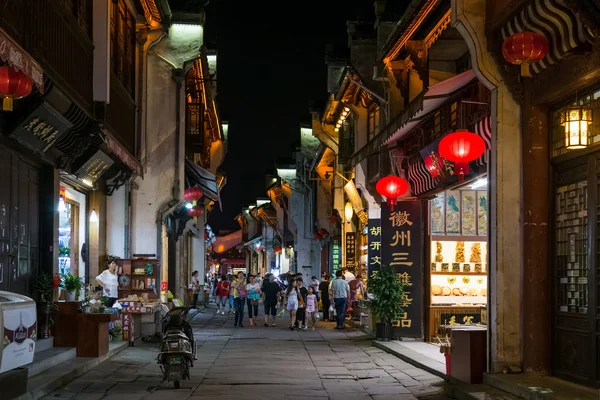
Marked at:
<point>291,302</point>
<point>311,307</point>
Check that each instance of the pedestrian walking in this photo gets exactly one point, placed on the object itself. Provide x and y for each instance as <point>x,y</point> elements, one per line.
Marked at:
<point>312,306</point>
<point>271,291</point>
<point>340,292</point>
<point>301,314</point>
<point>315,285</point>
<point>325,301</point>
<point>239,298</point>
<point>222,294</point>
<point>231,291</point>
<point>356,293</point>
<point>253,289</point>
<point>291,302</point>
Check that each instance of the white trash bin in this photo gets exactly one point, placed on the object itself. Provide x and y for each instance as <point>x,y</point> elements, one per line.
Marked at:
<point>18,324</point>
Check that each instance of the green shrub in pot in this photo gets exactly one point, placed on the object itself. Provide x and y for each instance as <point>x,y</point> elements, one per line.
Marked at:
<point>72,285</point>
<point>386,303</point>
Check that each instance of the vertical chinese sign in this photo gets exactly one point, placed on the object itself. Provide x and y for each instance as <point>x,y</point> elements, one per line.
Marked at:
<point>336,254</point>
<point>402,248</point>
<point>350,250</point>
<point>374,251</point>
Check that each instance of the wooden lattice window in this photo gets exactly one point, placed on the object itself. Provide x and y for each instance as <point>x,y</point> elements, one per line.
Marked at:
<point>122,34</point>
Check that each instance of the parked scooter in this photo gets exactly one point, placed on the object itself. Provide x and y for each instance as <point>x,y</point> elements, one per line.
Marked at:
<point>177,350</point>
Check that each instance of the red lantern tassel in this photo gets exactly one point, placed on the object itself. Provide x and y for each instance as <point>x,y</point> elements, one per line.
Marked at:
<point>7,104</point>
<point>461,169</point>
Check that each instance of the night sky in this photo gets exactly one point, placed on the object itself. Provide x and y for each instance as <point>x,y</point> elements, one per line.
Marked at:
<point>271,70</point>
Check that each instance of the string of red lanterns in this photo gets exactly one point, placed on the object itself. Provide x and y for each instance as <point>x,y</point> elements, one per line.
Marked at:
<point>192,194</point>
<point>461,147</point>
<point>391,187</point>
<point>14,85</point>
<point>195,211</point>
<point>525,48</point>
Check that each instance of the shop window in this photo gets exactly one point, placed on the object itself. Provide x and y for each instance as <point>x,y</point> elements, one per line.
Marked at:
<point>69,236</point>
<point>373,125</point>
<point>122,43</point>
<point>590,100</point>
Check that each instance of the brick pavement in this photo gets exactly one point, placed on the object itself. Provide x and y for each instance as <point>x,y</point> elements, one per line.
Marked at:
<point>261,363</point>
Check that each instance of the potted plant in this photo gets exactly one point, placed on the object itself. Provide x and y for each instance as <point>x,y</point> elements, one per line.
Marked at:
<point>43,287</point>
<point>386,303</point>
<point>72,285</point>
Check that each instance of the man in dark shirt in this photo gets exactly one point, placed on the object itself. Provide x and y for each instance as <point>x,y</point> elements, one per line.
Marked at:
<point>272,292</point>
<point>325,299</point>
<point>301,313</point>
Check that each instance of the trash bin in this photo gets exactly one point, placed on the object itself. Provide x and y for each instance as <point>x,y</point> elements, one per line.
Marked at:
<point>18,321</point>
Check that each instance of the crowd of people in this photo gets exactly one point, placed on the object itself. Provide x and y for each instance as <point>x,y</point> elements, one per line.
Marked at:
<point>304,301</point>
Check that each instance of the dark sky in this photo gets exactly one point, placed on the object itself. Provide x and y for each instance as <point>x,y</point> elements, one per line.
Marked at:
<point>271,68</point>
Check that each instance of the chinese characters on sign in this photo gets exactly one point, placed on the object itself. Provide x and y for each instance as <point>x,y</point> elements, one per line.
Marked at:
<point>402,248</point>
<point>41,129</point>
<point>350,249</point>
<point>336,254</point>
<point>374,250</point>
<point>95,167</point>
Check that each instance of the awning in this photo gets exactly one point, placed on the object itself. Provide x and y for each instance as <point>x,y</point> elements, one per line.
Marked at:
<point>122,154</point>
<point>424,104</point>
<point>226,242</point>
<point>198,176</point>
<point>254,239</point>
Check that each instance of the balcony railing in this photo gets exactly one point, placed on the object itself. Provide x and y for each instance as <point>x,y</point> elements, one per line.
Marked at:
<point>49,31</point>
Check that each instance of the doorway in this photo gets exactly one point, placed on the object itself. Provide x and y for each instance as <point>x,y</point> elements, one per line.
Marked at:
<point>19,222</point>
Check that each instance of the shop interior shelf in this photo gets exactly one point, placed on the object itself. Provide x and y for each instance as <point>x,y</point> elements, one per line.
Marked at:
<point>458,273</point>
<point>142,274</point>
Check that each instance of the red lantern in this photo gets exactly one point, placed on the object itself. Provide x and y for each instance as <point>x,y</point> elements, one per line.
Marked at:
<point>277,249</point>
<point>192,194</point>
<point>13,85</point>
<point>318,236</point>
<point>391,187</point>
<point>461,147</point>
<point>525,48</point>
<point>323,232</point>
<point>333,219</point>
<point>195,211</point>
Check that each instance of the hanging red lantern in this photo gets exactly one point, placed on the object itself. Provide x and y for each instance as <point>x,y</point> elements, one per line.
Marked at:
<point>525,48</point>
<point>192,194</point>
<point>318,236</point>
<point>391,187</point>
<point>277,249</point>
<point>333,219</point>
<point>461,147</point>
<point>14,85</point>
<point>323,232</point>
<point>195,211</point>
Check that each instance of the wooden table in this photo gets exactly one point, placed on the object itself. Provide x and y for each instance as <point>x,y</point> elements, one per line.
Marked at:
<point>65,328</point>
<point>92,338</point>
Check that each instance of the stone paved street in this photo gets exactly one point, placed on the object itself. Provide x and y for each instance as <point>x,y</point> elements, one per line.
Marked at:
<point>261,363</point>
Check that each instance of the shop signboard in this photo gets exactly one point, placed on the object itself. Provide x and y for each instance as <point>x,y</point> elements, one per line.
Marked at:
<point>374,250</point>
<point>95,167</point>
<point>41,129</point>
<point>336,254</point>
<point>127,327</point>
<point>402,248</point>
<point>350,250</point>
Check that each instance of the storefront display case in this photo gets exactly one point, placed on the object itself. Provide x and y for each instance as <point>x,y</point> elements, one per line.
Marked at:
<point>457,260</point>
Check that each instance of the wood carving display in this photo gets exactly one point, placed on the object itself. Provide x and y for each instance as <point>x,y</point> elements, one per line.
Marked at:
<point>460,252</point>
<point>475,253</point>
<point>438,256</point>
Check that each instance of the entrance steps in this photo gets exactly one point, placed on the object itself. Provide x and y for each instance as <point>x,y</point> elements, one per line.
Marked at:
<point>53,367</point>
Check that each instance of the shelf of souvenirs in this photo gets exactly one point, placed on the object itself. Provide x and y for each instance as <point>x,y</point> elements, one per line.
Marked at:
<point>458,268</point>
<point>458,289</point>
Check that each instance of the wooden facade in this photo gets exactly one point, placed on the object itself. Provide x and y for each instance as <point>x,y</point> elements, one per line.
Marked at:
<point>561,302</point>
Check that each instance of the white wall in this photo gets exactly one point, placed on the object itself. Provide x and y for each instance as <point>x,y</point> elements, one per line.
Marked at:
<point>83,220</point>
<point>115,223</point>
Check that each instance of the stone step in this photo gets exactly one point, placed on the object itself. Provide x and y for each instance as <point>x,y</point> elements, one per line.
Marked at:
<point>460,391</point>
<point>51,379</point>
<point>44,344</point>
<point>535,387</point>
<point>50,358</point>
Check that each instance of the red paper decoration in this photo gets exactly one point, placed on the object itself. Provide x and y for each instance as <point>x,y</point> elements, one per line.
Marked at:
<point>192,194</point>
<point>195,211</point>
<point>525,48</point>
<point>13,85</point>
<point>461,147</point>
<point>391,187</point>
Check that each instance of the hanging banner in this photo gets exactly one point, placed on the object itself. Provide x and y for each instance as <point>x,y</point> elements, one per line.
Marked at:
<point>374,251</point>
<point>336,254</point>
<point>402,248</point>
<point>351,250</point>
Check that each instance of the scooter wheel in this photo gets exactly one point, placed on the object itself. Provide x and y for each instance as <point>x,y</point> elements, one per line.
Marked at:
<point>177,384</point>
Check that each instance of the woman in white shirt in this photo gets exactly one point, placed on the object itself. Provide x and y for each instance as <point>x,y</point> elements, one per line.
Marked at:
<point>109,282</point>
<point>253,290</point>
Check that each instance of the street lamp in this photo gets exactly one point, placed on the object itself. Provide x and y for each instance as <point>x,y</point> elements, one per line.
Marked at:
<point>94,216</point>
<point>348,212</point>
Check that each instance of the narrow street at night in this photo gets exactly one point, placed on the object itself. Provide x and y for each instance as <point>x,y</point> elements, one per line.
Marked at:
<point>261,363</point>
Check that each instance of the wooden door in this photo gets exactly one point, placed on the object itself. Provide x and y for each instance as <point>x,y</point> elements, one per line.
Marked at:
<point>19,222</point>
